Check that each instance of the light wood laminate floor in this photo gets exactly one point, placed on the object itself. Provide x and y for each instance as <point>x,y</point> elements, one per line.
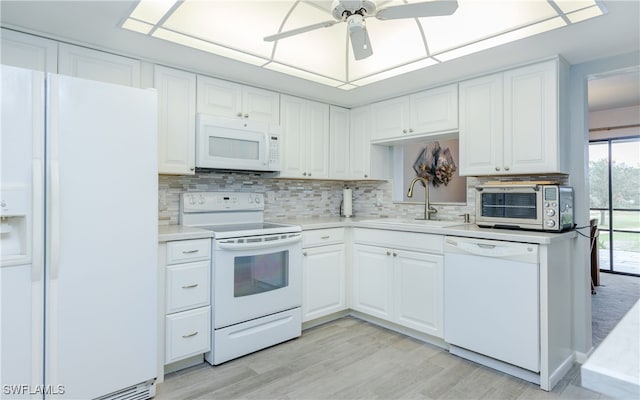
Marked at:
<point>352,359</point>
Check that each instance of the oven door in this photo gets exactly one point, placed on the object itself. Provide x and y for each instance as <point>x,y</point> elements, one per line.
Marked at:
<point>518,207</point>
<point>256,276</point>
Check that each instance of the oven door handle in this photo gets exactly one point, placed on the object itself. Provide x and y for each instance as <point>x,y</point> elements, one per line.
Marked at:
<point>259,245</point>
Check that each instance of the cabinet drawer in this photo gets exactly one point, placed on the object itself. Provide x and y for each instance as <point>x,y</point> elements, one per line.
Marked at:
<point>423,242</point>
<point>188,250</point>
<point>187,334</point>
<point>188,286</point>
<point>321,237</point>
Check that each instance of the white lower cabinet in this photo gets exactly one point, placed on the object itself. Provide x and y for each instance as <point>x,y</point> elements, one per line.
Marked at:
<point>185,306</point>
<point>188,333</point>
<point>394,282</point>
<point>323,273</point>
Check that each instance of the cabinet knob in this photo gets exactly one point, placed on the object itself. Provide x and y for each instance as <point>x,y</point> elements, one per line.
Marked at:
<point>239,114</point>
<point>366,176</point>
<point>410,130</point>
<point>246,115</point>
<point>506,168</point>
<point>404,131</point>
<point>309,173</point>
<point>192,169</point>
<point>304,174</point>
<point>388,253</point>
<point>497,168</point>
<point>395,254</point>
<point>304,254</point>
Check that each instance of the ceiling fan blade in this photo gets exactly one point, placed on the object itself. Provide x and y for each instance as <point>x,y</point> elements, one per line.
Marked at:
<point>360,43</point>
<point>297,31</point>
<point>433,8</point>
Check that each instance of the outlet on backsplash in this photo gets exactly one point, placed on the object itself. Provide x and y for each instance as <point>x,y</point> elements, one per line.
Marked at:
<point>379,198</point>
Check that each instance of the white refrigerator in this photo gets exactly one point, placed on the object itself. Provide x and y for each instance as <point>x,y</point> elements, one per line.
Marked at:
<point>78,238</point>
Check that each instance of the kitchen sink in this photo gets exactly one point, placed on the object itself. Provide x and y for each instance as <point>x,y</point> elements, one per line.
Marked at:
<point>419,222</point>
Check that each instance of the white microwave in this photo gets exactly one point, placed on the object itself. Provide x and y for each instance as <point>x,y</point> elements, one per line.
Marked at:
<point>237,144</point>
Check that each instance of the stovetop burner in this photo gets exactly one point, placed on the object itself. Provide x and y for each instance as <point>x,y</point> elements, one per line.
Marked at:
<point>229,215</point>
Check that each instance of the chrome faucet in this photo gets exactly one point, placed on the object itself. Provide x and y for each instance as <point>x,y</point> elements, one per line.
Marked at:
<point>428,210</point>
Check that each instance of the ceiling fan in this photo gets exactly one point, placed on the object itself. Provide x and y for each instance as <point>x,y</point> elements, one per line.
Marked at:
<point>354,12</point>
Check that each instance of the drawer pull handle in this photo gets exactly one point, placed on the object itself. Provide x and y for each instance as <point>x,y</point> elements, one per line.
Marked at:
<point>325,237</point>
<point>190,286</point>
<point>190,251</point>
<point>190,335</point>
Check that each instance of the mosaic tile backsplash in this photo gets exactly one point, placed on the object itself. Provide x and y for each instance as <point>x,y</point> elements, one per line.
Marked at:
<point>285,198</point>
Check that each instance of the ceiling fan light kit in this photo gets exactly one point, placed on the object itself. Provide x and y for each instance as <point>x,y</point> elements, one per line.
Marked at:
<point>354,13</point>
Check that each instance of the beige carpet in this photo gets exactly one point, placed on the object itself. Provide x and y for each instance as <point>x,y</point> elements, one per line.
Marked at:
<point>614,297</point>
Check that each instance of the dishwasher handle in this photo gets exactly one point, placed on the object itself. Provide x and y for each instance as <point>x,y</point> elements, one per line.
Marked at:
<point>525,252</point>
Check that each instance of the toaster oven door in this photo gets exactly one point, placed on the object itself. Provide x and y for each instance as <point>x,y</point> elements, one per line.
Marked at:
<point>508,207</point>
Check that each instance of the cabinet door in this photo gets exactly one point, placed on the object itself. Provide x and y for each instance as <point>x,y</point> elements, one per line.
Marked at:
<point>27,51</point>
<point>481,126</point>
<point>435,110</point>
<point>323,281</point>
<point>97,65</point>
<point>219,97</point>
<point>531,119</point>
<point>261,105</point>
<point>391,119</point>
<point>176,121</point>
<point>360,143</point>
<point>373,281</point>
<point>418,291</point>
<point>339,143</point>
<point>317,140</point>
<point>293,137</point>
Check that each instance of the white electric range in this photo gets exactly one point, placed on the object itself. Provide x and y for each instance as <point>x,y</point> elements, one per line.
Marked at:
<point>256,272</point>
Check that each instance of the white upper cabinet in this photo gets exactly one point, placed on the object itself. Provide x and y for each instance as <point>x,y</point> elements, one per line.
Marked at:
<point>422,113</point>
<point>305,126</point>
<point>176,120</point>
<point>360,143</point>
<point>435,110</point>
<point>509,122</point>
<point>28,51</point>
<point>339,143</point>
<point>366,160</point>
<point>531,119</point>
<point>97,65</point>
<point>232,100</point>
<point>481,125</point>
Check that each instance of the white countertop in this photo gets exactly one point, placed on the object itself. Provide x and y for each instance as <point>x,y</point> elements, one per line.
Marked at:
<point>462,230</point>
<point>614,367</point>
<point>168,233</point>
<point>177,232</point>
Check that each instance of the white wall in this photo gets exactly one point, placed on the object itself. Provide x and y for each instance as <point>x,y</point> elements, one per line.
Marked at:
<point>612,120</point>
<point>578,165</point>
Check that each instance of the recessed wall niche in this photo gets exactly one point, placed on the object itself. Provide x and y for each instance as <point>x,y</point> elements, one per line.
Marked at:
<point>428,157</point>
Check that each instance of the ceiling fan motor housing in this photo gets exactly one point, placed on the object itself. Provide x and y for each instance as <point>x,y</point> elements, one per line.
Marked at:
<point>339,7</point>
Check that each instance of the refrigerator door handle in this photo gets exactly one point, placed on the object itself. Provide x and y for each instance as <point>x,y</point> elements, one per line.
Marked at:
<point>37,236</point>
<point>55,219</point>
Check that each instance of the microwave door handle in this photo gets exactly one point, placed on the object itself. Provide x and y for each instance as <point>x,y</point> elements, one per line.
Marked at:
<point>258,245</point>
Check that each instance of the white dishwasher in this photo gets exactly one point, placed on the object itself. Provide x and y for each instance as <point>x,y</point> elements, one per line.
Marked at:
<point>491,303</point>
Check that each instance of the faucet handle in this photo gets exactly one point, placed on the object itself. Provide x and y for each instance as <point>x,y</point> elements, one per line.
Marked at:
<point>467,217</point>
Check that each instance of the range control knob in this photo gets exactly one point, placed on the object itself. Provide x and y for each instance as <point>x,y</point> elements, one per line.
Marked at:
<point>551,223</point>
<point>551,213</point>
